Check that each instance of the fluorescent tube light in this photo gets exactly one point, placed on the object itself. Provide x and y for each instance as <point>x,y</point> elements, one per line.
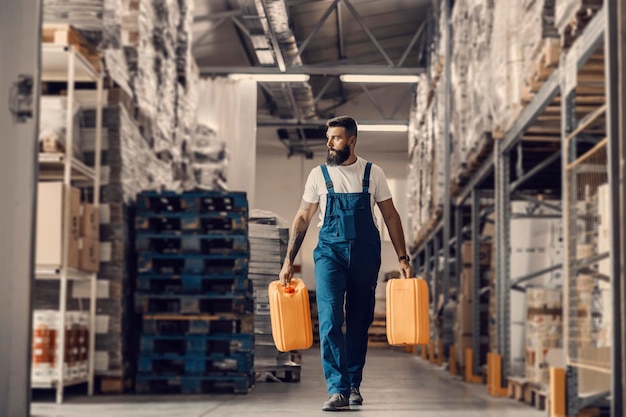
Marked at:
<point>383,128</point>
<point>353,78</point>
<point>272,78</point>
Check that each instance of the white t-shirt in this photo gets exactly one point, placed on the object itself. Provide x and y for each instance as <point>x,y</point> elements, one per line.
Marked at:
<point>346,179</point>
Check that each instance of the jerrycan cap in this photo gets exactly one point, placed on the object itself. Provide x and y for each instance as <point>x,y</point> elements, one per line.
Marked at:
<point>290,290</point>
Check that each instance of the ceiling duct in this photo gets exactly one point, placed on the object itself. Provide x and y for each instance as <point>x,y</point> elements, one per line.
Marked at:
<point>275,45</point>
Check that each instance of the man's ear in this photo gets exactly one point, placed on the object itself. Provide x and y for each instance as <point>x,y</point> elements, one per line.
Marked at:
<point>352,140</point>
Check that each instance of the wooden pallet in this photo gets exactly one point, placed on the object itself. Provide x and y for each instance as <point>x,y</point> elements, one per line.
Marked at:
<point>61,34</point>
<point>538,397</point>
<point>547,59</point>
<point>115,384</point>
<point>518,389</point>
<point>278,373</point>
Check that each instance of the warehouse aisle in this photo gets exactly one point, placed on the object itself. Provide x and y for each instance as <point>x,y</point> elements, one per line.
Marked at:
<point>395,384</point>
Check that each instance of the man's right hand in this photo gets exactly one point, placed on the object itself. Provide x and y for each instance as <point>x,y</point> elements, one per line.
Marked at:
<point>286,273</point>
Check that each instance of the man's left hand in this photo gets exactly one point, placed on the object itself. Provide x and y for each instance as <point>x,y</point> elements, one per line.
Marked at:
<point>405,269</point>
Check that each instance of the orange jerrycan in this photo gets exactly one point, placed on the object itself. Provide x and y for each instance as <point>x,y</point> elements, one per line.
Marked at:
<point>408,321</point>
<point>290,314</point>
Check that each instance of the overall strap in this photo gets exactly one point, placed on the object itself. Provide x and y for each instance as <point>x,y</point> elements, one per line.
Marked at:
<point>366,177</point>
<point>329,183</point>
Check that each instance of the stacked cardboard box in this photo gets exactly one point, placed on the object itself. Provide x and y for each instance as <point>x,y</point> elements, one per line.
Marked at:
<point>464,323</point>
<point>544,331</point>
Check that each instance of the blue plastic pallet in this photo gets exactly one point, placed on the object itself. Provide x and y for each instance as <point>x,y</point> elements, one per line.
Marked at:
<point>193,284</point>
<point>208,223</point>
<point>178,325</point>
<point>193,304</point>
<point>195,365</point>
<point>199,202</point>
<point>174,243</point>
<point>197,345</point>
<point>154,384</point>
<point>158,263</point>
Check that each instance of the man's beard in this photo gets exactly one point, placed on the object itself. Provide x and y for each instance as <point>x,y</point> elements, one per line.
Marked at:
<point>339,157</point>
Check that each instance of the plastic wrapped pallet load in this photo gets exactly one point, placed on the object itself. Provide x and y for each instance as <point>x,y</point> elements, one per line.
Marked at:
<point>471,112</point>
<point>506,63</point>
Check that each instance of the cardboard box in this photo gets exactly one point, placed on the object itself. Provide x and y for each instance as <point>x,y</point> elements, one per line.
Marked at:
<point>51,227</point>
<point>89,221</point>
<point>89,254</point>
<point>484,253</point>
<point>464,315</point>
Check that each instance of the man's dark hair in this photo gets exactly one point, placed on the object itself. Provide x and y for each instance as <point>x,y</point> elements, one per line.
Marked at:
<point>346,122</point>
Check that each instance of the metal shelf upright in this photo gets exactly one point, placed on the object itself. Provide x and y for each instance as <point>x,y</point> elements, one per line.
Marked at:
<point>590,143</point>
<point>63,63</point>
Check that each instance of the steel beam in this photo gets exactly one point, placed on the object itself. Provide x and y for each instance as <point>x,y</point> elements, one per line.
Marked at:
<point>276,122</point>
<point>400,102</point>
<point>330,70</point>
<point>615,61</point>
<point>361,23</point>
<point>536,274</point>
<point>213,28</point>
<point>435,273</point>
<point>619,108</point>
<point>322,91</point>
<point>218,15</point>
<point>458,231</point>
<point>411,44</point>
<point>447,203</point>
<point>241,27</point>
<point>535,170</point>
<point>340,34</point>
<point>521,196</point>
<point>373,100</point>
<point>317,27</point>
<point>503,281</point>
<point>476,278</point>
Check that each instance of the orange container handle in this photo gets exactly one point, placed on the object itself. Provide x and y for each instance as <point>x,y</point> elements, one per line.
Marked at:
<point>290,290</point>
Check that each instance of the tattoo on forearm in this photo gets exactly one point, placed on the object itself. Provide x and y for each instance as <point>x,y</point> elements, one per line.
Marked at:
<point>297,234</point>
<point>295,241</point>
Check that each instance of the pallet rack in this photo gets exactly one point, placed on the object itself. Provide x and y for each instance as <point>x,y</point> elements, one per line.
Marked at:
<point>65,64</point>
<point>494,176</point>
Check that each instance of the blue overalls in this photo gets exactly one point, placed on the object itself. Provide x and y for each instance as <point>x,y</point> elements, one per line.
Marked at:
<point>347,261</point>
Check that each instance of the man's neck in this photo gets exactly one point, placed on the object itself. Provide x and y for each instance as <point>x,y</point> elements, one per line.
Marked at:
<point>350,161</point>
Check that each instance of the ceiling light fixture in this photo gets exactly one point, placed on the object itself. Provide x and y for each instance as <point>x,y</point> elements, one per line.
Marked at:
<point>354,78</point>
<point>383,128</point>
<point>272,78</point>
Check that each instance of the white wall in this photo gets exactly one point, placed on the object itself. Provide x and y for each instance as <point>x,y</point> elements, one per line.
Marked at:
<point>280,182</point>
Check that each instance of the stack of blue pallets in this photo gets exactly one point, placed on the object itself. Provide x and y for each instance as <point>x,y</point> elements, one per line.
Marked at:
<point>193,293</point>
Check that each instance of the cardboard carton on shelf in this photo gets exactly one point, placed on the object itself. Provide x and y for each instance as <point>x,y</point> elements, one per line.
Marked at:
<point>484,253</point>
<point>89,221</point>
<point>51,225</point>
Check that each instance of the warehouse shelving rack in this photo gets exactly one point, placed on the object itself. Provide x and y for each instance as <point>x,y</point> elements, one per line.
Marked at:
<point>496,170</point>
<point>65,64</point>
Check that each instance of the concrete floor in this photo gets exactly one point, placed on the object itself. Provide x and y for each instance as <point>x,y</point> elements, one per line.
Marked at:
<point>395,384</point>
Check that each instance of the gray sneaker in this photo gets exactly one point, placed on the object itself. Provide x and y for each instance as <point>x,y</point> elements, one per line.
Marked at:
<point>355,396</point>
<point>336,402</point>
